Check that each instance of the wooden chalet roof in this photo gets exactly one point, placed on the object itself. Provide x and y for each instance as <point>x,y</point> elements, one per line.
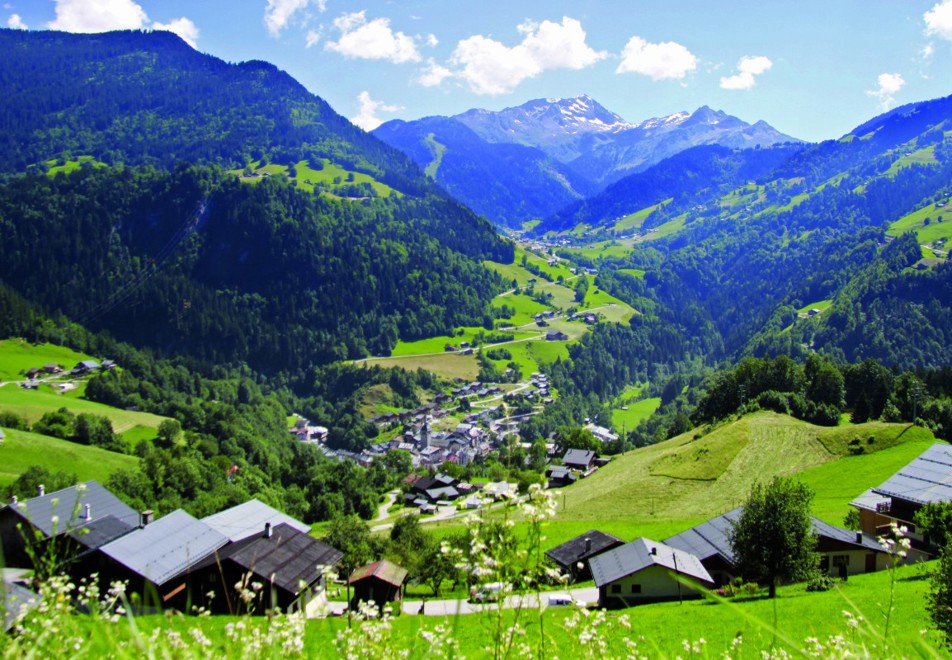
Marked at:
<point>644,553</point>
<point>68,505</point>
<point>287,558</point>
<point>383,570</point>
<point>581,548</point>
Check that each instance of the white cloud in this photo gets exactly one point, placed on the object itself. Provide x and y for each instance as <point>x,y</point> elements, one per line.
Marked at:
<point>889,86</point>
<point>16,23</point>
<point>748,68</point>
<point>927,51</point>
<point>657,61</point>
<point>431,40</point>
<point>98,15</point>
<point>279,13</point>
<point>183,27</point>
<point>491,67</point>
<point>373,40</point>
<point>434,74</point>
<point>367,117</point>
<point>939,20</point>
<point>312,38</point>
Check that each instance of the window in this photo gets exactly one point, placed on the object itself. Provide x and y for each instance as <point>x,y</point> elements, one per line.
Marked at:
<point>636,588</point>
<point>841,560</point>
<point>616,588</point>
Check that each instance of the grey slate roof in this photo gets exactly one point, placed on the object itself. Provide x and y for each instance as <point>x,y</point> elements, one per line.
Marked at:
<point>286,558</point>
<point>101,531</point>
<point>578,457</point>
<point>636,556</point>
<point>573,551</point>
<point>927,478</point>
<point>163,549</point>
<point>710,538</point>
<point>39,511</point>
<point>16,599</point>
<point>240,522</point>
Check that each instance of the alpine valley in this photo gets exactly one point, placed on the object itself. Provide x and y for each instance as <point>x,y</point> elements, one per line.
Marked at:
<point>470,295</point>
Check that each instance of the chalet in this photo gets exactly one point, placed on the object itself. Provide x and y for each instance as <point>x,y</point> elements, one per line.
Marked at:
<point>601,433</point>
<point>548,314</point>
<point>52,368</point>
<point>579,459</point>
<point>380,582</point>
<point>573,556</point>
<point>556,336</point>
<point>560,475</point>
<point>926,479</point>
<point>62,514</point>
<point>109,364</point>
<point>33,373</point>
<point>156,560</point>
<point>248,519</point>
<point>86,366</point>
<point>645,571</point>
<point>842,552</point>
<point>288,563</point>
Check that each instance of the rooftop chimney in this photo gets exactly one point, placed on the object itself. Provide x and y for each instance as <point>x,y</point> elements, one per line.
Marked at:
<point>654,550</point>
<point>14,500</point>
<point>87,512</point>
<point>588,544</point>
<point>145,518</point>
<point>859,537</point>
<point>41,490</point>
<point>267,530</point>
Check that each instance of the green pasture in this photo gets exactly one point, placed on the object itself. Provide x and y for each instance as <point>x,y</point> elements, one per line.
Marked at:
<point>437,150</point>
<point>924,156</point>
<point>330,176</point>
<point>55,165</point>
<point>33,404</point>
<point>821,305</point>
<point>525,308</point>
<point>667,229</point>
<point>930,224</point>
<point>637,219</point>
<point>637,411</point>
<point>20,450</point>
<point>658,630</point>
<point>695,476</point>
<point>18,355</point>
<point>634,272</point>
<point>445,365</point>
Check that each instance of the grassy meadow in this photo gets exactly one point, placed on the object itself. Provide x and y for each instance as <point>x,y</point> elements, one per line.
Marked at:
<point>20,450</point>
<point>18,355</point>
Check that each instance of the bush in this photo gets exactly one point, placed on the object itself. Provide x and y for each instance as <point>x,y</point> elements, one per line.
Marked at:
<point>820,582</point>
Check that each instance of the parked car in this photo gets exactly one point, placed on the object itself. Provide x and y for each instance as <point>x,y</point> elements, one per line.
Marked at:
<point>487,593</point>
<point>556,600</point>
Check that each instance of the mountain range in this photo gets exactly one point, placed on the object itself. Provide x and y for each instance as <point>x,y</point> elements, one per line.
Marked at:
<point>529,161</point>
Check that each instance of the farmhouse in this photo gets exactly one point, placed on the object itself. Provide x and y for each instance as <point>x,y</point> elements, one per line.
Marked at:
<point>380,582</point>
<point>645,571</point>
<point>288,563</point>
<point>64,512</point>
<point>156,559</point>
<point>842,552</point>
<point>556,336</point>
<point>573,556</point>
<point>579,459</point>
<point>926,479</point>
<point>560,475</point>
<point>248,519</point>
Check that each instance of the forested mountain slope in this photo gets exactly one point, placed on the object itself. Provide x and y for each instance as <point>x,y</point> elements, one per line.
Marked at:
<point>196,262</point>
<point>149,98</point>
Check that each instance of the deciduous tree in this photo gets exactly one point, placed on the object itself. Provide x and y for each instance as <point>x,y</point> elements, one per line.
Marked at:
<point>772,539</point>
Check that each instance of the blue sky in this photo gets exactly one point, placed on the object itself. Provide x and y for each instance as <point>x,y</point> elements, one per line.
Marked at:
<point>813,70</point>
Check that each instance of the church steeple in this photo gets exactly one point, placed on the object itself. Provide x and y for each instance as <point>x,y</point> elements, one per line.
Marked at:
<point>425,433</point>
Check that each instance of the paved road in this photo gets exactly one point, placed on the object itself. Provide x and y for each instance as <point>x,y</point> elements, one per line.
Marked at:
<point>587,596</point>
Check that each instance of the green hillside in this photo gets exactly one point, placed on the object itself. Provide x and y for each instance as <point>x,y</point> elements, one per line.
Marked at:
<point>17,355</point>
<point>662,489</point>
<point>21,450</point>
